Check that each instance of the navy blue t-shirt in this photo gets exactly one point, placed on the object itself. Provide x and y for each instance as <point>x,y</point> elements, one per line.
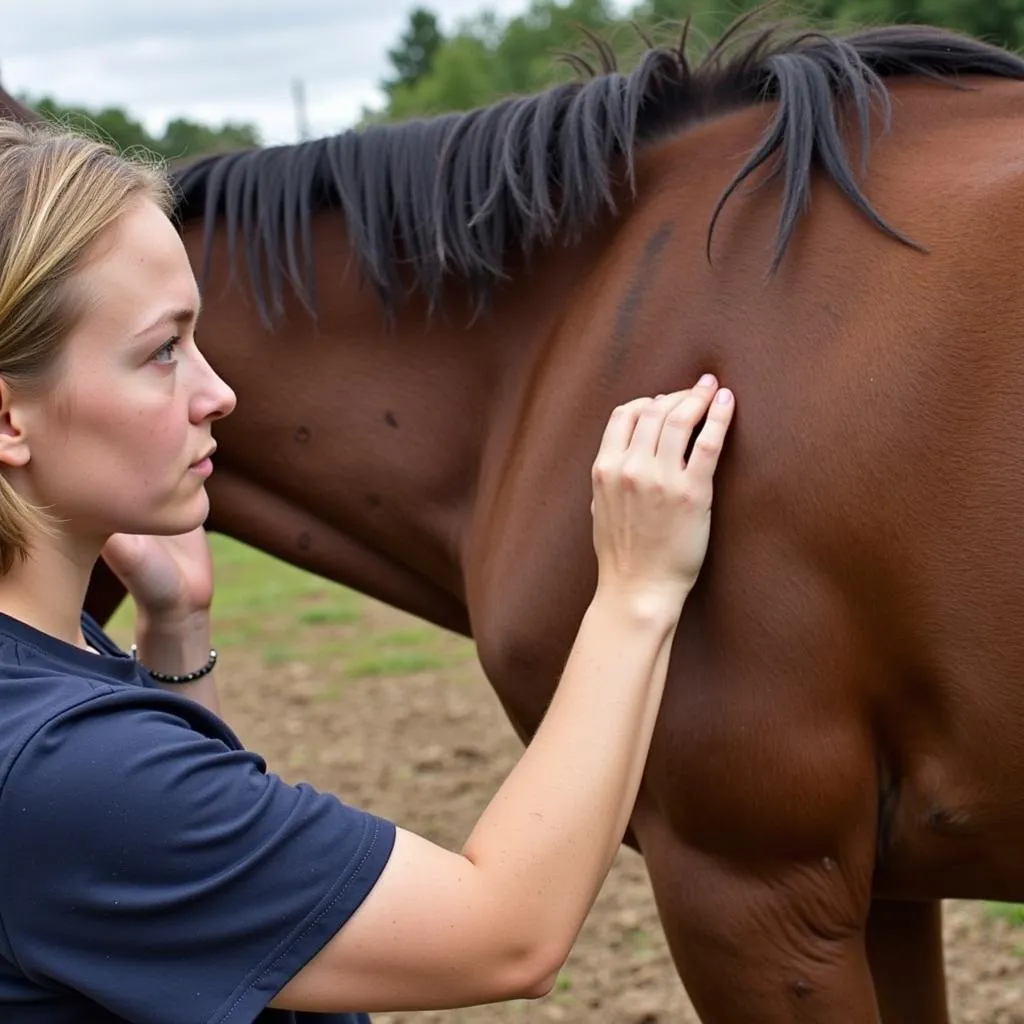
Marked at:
<point>151,870</point>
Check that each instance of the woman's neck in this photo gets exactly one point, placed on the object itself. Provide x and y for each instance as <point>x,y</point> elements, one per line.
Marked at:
<point>47,589</point>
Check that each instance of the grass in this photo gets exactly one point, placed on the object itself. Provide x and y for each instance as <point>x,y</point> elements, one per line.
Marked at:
<point>325,616</point>
<point>1012,912</point>
<point>288,615</point>
<point>394,663</point>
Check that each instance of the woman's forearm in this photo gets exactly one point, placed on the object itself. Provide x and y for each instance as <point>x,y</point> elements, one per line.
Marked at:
<point>548,837</point>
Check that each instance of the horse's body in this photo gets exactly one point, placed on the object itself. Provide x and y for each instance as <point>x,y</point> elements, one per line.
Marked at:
<point>842,738</point>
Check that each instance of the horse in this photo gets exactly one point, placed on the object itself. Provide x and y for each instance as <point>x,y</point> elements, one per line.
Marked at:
<point>12,109</point>
<point>428,324</point>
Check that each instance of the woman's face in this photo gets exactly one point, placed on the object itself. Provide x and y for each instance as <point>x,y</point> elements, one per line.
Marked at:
<point>117,445</point>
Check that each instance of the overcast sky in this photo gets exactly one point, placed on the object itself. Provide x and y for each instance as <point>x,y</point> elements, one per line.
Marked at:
<point>213,60</point>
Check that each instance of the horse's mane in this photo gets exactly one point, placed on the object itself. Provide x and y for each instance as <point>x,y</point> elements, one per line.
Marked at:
<point>451,195</point>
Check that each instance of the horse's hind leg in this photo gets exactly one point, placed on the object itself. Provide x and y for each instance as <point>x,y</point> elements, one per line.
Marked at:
<point>779,945</point>
<point>904,947</point>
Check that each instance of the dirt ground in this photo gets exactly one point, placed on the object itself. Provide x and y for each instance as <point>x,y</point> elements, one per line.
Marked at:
<point>428,749</point>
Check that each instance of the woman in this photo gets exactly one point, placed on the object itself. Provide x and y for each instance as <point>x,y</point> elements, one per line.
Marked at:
<point>150,869</point>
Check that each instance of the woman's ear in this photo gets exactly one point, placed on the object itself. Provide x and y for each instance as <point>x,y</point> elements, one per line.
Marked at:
<point>13,438</point>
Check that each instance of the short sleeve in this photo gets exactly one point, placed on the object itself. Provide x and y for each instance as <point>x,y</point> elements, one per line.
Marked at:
<point>167,876</point>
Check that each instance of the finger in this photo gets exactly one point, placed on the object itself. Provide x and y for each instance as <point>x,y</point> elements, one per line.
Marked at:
<point>681,421</point>
<point>644,442</point>
<point>711,439</point>
<point>619,430</point>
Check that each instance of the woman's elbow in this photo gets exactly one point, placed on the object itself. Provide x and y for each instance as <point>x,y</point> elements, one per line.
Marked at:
<point>533,975</point>
<point>540,987</point>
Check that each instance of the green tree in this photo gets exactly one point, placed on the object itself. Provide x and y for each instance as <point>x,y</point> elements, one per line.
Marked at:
<point>487,59</point>
<point>525,55</point>
<point>180,138</point>
<point>413,57</point>
<point>462,78</point>
<point>110,123</point>
<point>998,21</point>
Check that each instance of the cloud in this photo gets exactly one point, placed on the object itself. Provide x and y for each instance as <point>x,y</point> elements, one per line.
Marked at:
<point>214,60</point>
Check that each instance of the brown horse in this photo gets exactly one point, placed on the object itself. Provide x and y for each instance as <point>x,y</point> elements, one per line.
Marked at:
<point>13,109</point>
<point>430,326</point>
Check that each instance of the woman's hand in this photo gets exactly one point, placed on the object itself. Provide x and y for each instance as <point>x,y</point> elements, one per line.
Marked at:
<point>168,577</point>
<point>652,508</point>
<point>170,580</point>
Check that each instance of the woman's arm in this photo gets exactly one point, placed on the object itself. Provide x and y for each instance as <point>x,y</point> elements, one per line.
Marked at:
<point>170,580</point>
<point>496,921</point>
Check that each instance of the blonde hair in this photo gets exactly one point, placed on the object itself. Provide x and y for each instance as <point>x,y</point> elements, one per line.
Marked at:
<point>59,191</point>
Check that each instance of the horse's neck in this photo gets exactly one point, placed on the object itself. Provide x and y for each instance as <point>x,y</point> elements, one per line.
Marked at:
<point>460,394</point>
<point>13,110</point>
<point>357,451</point>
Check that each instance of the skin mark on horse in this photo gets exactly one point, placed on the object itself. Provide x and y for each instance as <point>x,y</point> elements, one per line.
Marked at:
<point>639,284</point>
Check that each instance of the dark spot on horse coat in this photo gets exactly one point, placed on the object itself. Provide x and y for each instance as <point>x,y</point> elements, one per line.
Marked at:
<point>389,419</point>
<point>801,989</point>
<point>374,500</point>
<point>638,286</point>
<point>942,819</point>
<point>305,542</point>
<point>302,435</point>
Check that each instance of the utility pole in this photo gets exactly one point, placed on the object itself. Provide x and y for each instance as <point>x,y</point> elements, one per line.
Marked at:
<point>299,101</point>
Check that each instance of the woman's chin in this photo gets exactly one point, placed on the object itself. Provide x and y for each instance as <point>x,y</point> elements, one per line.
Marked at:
<point>185,517</point>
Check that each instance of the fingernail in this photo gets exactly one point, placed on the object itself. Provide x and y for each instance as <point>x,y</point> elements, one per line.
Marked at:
<point>707,380</point>
<point>724,397</point>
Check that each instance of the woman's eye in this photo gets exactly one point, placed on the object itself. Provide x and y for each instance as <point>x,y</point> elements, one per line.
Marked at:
<point>165,354</point>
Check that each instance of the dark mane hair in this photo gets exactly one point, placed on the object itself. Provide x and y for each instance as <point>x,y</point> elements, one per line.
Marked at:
<point>450,196</point>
